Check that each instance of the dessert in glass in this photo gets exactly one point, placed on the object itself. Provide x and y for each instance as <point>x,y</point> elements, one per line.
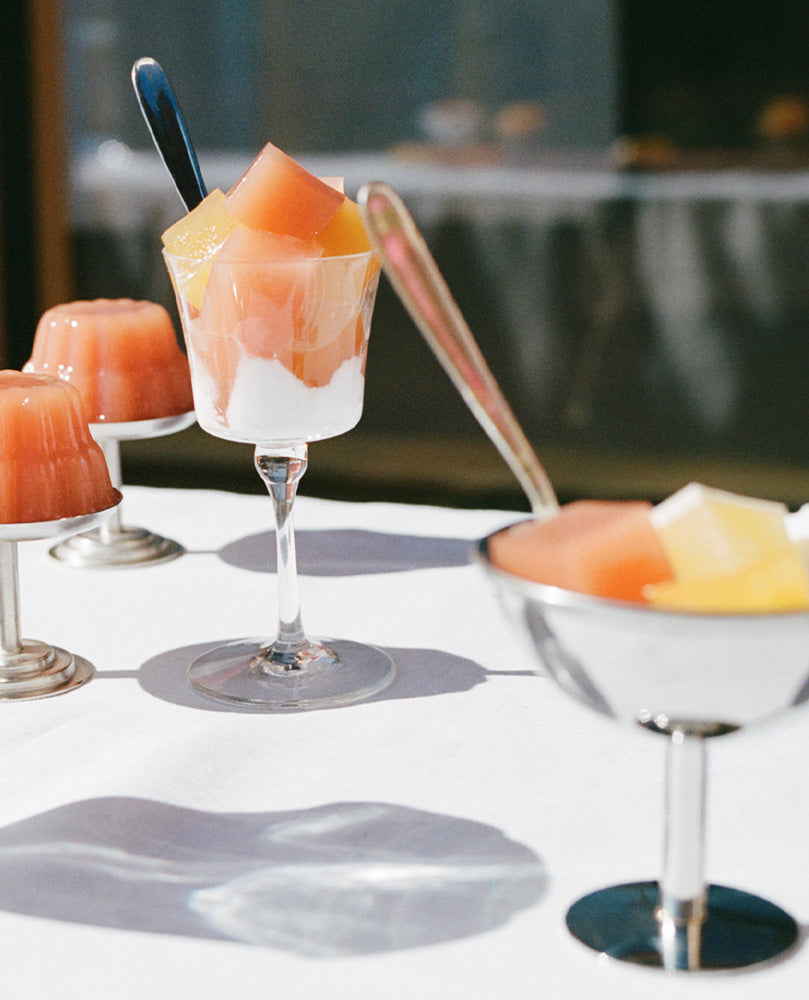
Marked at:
<point>123,357</point>
<point>55,481</point>
<point>275,284</point>
<point>691,620</point>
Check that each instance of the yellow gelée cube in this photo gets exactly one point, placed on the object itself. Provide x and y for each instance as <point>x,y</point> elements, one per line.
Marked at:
<point>780,583</point>
<point>345,232</point>
<point>198,237</point>
<point>706,531</point>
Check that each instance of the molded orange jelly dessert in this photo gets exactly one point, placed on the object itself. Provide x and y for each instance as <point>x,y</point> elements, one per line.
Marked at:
<point>51,466</point>
<point>121,354</point>
<point>701,550</point>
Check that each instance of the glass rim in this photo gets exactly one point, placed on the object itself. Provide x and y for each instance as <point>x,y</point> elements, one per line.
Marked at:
<point>198,261</point>
<point>573,601</point>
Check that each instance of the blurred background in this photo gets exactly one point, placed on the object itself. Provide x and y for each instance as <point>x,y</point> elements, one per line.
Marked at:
<point>617,192</point>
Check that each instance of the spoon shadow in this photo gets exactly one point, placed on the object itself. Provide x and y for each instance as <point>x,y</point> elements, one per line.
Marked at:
<point>347,878</point>
<point>348,552</point>
<point>420,673</point>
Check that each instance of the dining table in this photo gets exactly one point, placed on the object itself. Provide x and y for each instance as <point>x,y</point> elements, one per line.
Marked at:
<point>426,842</point>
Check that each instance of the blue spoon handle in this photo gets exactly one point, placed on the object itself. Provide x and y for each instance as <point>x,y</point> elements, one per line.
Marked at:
<point>169,131</point>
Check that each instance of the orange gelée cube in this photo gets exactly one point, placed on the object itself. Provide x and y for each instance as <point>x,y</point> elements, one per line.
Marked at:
<point>345,234</point>
<point>278,195</point>
<point>600,547</point>
<point>275,297</point>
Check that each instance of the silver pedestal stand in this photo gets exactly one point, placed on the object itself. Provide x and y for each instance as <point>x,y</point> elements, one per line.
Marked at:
<point>112,544</point>
<point>28,668</point>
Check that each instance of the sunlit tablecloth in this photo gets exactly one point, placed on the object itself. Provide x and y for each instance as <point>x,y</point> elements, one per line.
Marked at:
<point>426,843</point>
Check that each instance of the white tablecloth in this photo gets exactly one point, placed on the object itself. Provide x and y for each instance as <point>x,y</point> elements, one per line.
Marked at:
<point>427,843</point>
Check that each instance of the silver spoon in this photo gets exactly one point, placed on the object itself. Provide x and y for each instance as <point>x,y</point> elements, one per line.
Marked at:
<point>162,112</point>
<point>416,279</point>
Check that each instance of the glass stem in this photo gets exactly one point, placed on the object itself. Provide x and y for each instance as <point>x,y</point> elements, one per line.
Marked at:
<point>281,470</point>
<point>10,642</point>
<point>682,889</point>
<point>111,527</point>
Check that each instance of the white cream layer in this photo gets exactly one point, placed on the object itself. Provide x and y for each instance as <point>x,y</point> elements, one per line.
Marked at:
<point>268,404</point>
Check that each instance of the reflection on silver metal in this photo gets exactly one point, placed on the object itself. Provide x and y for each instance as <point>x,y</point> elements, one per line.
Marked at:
<point>687,677</point>
<point>137,430</point>
<point>118,546</point>
<point>31,669</point>
<point>166,123</point>
<point>113,544</point>
<point>414,275</point>
<point>737,930</point>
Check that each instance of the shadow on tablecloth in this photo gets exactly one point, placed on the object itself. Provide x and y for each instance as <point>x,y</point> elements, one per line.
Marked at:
<point>339,879</point>
<point>349,552</point>
<point>420,673</point>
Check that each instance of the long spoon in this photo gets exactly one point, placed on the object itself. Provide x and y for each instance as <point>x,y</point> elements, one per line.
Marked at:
<point>162,112</point>
<point>416,279</point>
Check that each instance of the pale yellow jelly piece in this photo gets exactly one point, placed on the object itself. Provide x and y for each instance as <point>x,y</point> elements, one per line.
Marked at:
<point>198,237</point>
<point>780,583</point>
<point>706,531</point>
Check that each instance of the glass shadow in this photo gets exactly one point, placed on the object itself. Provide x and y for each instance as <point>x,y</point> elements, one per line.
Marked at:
<point>349,552</point>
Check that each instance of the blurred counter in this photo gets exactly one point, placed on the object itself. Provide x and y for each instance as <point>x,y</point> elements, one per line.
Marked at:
<point>657,313</point>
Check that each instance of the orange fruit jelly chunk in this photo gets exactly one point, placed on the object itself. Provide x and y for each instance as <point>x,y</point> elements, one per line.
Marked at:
<point>600,547</point>
<point>259,291</point>
<point>345,233</point>
<point>278,195</point>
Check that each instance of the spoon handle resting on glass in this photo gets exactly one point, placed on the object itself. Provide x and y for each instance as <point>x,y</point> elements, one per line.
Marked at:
<point>162,112</point>
<point>417,281</point>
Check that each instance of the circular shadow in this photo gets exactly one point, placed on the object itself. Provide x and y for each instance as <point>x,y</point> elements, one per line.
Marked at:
<point>420,673</point>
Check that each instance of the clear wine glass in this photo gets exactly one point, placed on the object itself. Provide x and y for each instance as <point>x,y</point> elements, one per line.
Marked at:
<point>277,353</point>
<point>688,678</point>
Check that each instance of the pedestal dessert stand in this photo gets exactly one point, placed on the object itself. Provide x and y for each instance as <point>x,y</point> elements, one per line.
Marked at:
<point>687,678</point>
<point>111,543</point>
<point>29,668</point>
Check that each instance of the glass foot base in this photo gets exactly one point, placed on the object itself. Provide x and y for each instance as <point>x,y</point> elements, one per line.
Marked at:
<point>126,547</point>
<point>40,671</point>
<point>325,675</point>
<point>738,930</point>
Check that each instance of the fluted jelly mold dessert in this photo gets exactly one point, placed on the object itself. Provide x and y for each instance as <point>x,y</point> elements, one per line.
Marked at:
<point>54,481</point>
<point>123,357</point>
<point>52,467</point>
<point>121,354</point>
